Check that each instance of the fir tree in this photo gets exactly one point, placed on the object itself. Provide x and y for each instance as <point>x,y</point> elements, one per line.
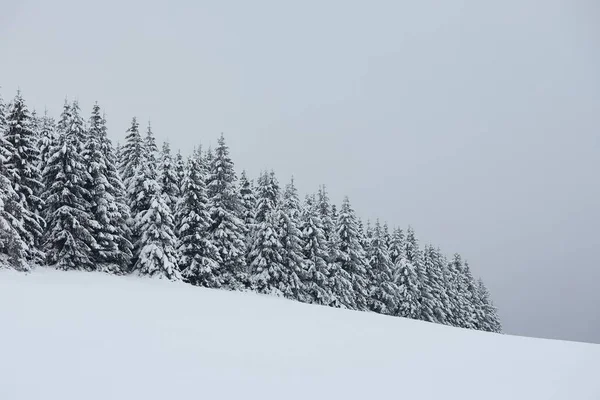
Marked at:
<point>22,164</point>
<point>157,255</point>
<point>11,207</point>
<point>290,237</point>
<point>352,257</point>
<point>46,136</point>
<point>132,159</point>
<point>199,258</point>
<point>247,205</point>
<point>434,301</point>
<point>180,172</point>
<point>151,148</point>
<point>168,177</point>
<point>68,239</point>
<point>227,229</point>
<point>315,255</point>
<point>407,279</point>
<point>265,259</point>
<point>490,321</point>
<point>383,290</point>
<point>113,249</point>
<point>460,299</point>
<point>397,247</point>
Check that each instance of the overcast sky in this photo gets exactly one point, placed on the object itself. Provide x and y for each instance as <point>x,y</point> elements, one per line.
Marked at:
<point>476,122</point>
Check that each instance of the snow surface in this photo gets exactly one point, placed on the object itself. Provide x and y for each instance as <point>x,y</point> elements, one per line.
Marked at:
<point>77,335</point>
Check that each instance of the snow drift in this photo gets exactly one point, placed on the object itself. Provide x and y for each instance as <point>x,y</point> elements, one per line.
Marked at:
<point>76,335</point>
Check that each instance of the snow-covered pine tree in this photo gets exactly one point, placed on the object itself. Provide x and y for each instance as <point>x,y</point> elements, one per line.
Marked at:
<point>406,277</point>
<point>180,171</point>
<point>247,205</point>
<point>267,196</point>
<point>472,296</point>
<point>491,321</point>
<point>351,256</point>
<point>11,207</point>
<point>265,259</point>
<point>118,155</point>
<point>113,248</point>
<point>324,207</point>
<point>397,245</point>
<point>387,238</point>
<point>383,290</point>
<point>22,164</point>
<point>46,137</point>
<point>199,260</point>
<point>414,255</point>
<point>461,306</point>
<point>157,245</point>
<point>168,178</point>
<point>132,158</point>
<point>151,148</point>
<point>227,228</point>
<point>434,301</point>
<point>315,254</point>
<point>68,240</point>
<point>116,188</point>
<point>290,237</point>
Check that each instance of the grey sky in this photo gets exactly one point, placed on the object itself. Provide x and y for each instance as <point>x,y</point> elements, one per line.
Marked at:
<point>476,122</point>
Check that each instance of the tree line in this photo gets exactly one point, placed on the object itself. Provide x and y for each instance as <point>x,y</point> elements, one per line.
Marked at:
<point>71,200</point>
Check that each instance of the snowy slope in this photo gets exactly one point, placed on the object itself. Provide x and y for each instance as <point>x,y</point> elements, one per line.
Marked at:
<point>76,335</point>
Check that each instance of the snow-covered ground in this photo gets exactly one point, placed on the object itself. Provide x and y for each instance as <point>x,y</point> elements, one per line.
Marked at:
<point>76,335</point>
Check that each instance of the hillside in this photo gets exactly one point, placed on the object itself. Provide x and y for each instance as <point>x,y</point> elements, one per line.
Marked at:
<point>76,335</point>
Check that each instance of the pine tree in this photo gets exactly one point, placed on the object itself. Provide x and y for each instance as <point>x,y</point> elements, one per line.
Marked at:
<point>180,172</point>
<point>11,207</point>
<point>351,256</point>
<point>247,205</point>
<point>265,259</point>
<point>22,164</point>
<point>434,301</point>
<point>459,294</point>
<point>199,259</point>
<point>227,229</point>
<point>383,290</point>
<point>315,255</point>
<point>157,255</point>
<point>68,240</point>
<point>168,177</point>
<point>113,248</point>
<point>132,158</point>
<point>397,246</point>
<point>490,321</point>
<point>472,296</point>
<point>406,277</point>
<point>414,256</point>
<point>290,237</point>
<point>151,148</point>
<point>46,137</point>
